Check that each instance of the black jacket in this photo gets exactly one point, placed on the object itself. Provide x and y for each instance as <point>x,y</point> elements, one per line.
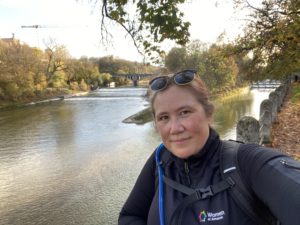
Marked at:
<point>273,182</point>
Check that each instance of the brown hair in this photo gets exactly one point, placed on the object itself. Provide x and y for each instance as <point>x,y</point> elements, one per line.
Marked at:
<point>198,88</point>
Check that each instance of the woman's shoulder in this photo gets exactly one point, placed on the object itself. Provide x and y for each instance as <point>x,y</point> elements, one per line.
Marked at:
<point>252,157</point>
<point>257,152</point>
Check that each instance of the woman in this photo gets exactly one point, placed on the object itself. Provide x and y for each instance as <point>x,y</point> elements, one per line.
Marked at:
<point>190,157</point>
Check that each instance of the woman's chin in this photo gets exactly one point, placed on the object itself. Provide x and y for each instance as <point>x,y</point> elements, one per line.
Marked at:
<point>182,153</point>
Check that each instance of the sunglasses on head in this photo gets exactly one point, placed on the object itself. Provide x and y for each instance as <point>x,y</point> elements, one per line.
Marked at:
<point>180,78</point>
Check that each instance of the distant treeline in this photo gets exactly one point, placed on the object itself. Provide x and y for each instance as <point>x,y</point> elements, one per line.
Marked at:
<point>27,73</point>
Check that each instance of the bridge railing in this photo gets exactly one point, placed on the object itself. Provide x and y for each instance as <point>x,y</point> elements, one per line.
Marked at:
<point>267,84</point>
<point>135,76</point>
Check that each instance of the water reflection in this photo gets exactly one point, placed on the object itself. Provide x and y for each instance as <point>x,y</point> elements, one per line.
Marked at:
<point>230,110</point>
<point>67,162</point>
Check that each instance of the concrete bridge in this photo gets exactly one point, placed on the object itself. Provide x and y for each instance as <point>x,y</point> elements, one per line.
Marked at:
<point>135,77</point>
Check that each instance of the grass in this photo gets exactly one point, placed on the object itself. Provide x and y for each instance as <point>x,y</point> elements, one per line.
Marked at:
<point>229,94</point>
<point>295,94</point>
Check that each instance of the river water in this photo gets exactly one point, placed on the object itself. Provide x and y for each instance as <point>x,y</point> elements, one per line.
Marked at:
<point>75,162</point>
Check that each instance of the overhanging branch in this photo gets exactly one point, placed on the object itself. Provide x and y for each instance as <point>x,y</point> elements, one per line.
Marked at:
<point>106,14</point>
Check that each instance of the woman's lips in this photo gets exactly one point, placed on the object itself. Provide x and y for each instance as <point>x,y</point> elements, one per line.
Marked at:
<point>181,140</point>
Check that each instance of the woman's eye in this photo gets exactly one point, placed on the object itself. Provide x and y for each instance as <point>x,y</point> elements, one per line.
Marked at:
<point>162,118</point>
<point>184,112</point>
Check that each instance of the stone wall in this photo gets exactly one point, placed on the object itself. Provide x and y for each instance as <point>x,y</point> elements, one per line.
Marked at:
<point>249,130</point>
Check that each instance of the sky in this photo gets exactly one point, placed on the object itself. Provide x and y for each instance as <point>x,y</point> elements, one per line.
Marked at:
<point>76,24</point>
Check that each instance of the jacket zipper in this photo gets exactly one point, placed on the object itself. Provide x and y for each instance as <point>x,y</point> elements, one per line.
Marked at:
<point>187,171</point>
<point>284,163</point>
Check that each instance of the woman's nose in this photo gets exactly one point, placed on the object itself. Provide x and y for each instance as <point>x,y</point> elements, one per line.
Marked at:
<point>176,126</point>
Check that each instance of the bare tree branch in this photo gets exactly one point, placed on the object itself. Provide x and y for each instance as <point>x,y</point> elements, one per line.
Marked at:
<point>128,30</point>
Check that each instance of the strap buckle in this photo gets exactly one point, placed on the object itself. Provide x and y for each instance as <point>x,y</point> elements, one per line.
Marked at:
<point>203,193</point>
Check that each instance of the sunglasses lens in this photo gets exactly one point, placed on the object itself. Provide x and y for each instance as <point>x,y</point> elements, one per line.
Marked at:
<point>184,77</point>
<point>158,83</point>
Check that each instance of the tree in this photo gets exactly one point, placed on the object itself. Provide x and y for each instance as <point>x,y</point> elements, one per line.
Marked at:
<point>218,70</point>
<point>83,70</point>
<point>104,79</point>
<point>152,23</point>
<point>196,50</point>
<point>57,58</point>
<point>272,36</point>
<point>21,70</point>
<point>176,59</point>
<point>112,65</point>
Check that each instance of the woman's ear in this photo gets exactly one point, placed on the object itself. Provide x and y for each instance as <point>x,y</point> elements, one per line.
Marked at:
<point>210,120</point>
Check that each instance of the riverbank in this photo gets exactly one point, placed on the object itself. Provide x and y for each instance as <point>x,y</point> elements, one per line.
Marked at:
<point>50,97</point>
<point>220,96</point>
<point>286,132</point>
<point>140,117</point>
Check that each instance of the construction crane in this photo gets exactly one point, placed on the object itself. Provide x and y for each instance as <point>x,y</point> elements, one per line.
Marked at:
<point>42,26</point>
<point>37,33</point>
<point>38,26</point>
<point>53,26</point>
<point>31,26</point>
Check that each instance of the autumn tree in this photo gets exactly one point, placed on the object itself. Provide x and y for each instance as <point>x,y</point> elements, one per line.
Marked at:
<point>272,36</point>
<point>149,23</point>
<point>57,59</point>
<point>21,71</point>
<point>176,59</point>
<point>218,70</point>
<point>83,74</point>
<point>186,57</point>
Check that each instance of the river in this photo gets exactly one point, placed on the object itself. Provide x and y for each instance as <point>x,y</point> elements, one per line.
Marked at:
<point>74,161</point>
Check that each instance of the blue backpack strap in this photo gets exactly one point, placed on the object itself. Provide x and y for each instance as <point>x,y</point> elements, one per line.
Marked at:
<point>240,192</point>
<point>164,158</point>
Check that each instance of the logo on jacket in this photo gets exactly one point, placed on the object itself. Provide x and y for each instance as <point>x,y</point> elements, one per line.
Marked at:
<point>202,216</point>
<point>205,216</point>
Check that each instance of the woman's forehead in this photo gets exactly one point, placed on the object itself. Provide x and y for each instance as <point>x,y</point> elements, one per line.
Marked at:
<point>174,97</point>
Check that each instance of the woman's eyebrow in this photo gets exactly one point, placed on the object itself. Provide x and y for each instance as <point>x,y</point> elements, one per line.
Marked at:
<point>161,113</point>
<point>184,107</point>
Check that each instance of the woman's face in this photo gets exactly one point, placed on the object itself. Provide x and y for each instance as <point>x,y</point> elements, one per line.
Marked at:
<point>181,121</point>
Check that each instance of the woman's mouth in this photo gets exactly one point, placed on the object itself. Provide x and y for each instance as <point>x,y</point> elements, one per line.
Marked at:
<point>180,140</point>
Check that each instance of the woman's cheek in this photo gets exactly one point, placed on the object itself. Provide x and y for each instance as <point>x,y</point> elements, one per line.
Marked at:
<point>162,129</point>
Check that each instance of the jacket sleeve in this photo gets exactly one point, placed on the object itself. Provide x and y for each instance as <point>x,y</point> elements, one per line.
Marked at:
<point>275,179</point>
<point>136,208</point>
